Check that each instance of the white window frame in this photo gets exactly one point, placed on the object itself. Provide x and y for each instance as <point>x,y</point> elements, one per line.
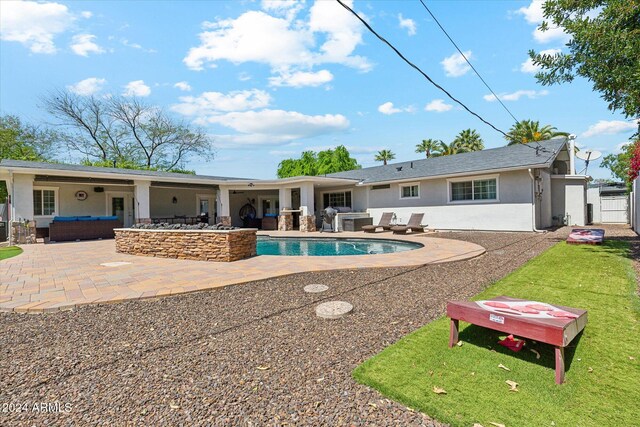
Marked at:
<point>450,201</point>
<point>337,191</point>
<point>56,200</point>
<point>410,184</point>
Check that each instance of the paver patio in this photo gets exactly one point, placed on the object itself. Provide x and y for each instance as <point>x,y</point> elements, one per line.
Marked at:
<point>50,277</point>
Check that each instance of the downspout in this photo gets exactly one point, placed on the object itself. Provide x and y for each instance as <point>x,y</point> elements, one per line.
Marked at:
<point>533,203</point>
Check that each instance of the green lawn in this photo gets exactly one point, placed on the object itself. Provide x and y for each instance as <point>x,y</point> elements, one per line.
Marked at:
<point>600,279</point>
<point>9,251</point>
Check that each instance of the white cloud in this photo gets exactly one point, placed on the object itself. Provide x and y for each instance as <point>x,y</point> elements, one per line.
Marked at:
<point>83,45</point>
<point>88,86</point>
<point>388,109</point>
<point>514,96</point>
<point>244,76</point>
<point>328,35</point>
<point>528,66</point>
<point>209,104</point>
<point>183,86</point>
<point>407,23</point>
<point>455,65</point>
<point>534,14</point>
<point>34,24</point>
<point>127,43</point>
<point>86,14</point>
<point>610,127</point>
<point>438,105</point>
<point>552,34</point>
<point>300,78</point>
<point>286,8</point>
<point>275,127</point>
<point>136,88</point>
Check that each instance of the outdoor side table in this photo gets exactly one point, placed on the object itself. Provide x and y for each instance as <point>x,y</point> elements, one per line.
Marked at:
<point>515,316</point>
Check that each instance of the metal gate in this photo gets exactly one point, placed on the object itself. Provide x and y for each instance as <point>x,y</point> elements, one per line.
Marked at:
<point>614,209</point>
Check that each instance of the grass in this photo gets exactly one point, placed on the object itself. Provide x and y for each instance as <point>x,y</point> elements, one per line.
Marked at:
<point>9,252</point>
<point>599,279</point>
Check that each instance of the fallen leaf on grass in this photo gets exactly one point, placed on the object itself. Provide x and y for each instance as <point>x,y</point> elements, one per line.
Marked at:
<point>590,369</point>
<point>477,425</point>
<point>497,424</point>
<point>632,358</point>
<point>513,385</point>
<point>262,368</point>
<point>536,353</point>
<point>438,390</point>
<point>459,343</point>
<point>501,366</point>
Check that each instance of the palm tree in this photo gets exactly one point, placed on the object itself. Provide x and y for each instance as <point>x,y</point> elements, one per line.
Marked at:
<point>445,149</point>
<point>384,156</point>
<point>470,140</point>
<point>428,146</point>
<point>527,131</point>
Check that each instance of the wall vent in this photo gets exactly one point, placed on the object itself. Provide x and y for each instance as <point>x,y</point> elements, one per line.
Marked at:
<point>380,187</point>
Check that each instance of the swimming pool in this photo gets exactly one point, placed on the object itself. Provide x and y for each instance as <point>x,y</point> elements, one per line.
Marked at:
<point>326,246</point>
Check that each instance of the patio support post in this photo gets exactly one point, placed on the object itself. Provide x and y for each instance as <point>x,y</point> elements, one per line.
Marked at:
<point>307,217</point>
<point>22,210</point>
<point>223,211</point>
<point>142,207</point>
<point>285,219</point>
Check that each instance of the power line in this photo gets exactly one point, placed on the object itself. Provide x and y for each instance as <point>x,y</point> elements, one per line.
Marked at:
<point>467,60</point>
<point>418,69</point>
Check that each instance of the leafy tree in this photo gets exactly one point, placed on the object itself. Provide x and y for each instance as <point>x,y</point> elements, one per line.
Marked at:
<point>620,164</point>
<point>322,163</point>
<point>428,147</point>
<point>603,49</point>
<point>526,131</point>
<point>23,141</point>
<point>470,140</point>
<point>450,149</point>
<point>384,156</point>
<point>127,132</point>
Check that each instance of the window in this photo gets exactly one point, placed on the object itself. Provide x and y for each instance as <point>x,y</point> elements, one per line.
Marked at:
<point>341,198</point>
<point>479,189</point>
<point>44,202</point>
<point>410,191</point>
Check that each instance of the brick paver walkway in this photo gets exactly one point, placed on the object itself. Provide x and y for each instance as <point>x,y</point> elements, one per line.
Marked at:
<point>50,277</point>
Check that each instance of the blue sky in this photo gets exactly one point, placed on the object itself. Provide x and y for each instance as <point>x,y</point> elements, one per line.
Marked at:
<point>270,79</point>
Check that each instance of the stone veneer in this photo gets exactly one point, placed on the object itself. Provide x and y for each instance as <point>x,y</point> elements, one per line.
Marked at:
<point>204,245</point>
<point>285,222</point>
<point>308,223</point>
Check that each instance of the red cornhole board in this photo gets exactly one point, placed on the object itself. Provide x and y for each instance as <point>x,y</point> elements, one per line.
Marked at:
<point>538,321</point>
<point>591,236</point>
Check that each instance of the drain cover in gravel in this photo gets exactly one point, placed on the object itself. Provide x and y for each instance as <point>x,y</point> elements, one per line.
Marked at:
<point>333,309</point>
<point>315,288</point>
<point>115,264</point>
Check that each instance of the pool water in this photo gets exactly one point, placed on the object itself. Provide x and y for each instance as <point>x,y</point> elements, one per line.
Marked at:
<point>314,246</point>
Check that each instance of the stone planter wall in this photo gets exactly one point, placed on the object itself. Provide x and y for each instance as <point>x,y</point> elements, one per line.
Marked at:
<point>203,245</point>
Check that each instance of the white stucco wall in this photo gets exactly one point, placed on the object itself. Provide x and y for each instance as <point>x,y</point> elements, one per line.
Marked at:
<point>22,196</point>
<point>569,196</point>
<point>513,211</point>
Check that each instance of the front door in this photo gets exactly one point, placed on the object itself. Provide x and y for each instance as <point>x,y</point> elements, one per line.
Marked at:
<point>121,205</point>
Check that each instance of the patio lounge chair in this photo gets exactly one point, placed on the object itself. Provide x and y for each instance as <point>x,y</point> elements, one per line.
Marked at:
<point>385,223</point>
<point>412,225</point>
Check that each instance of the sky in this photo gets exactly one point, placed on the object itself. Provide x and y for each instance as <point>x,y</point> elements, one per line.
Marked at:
<point>270,79</point>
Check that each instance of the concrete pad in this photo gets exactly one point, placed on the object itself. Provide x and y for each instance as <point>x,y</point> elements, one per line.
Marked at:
<point>333,309</point>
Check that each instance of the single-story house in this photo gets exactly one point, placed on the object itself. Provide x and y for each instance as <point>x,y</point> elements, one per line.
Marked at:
<point>514,188</point>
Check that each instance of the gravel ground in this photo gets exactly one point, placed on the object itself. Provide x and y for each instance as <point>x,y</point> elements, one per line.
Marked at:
<point>248,355</point>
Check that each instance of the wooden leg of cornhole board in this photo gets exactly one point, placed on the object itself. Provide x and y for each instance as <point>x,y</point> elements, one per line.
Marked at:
<point>453,334</point>
<point>559,365</point>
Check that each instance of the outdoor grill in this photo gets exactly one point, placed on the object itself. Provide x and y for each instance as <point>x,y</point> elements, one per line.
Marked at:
<point>328,215</point>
